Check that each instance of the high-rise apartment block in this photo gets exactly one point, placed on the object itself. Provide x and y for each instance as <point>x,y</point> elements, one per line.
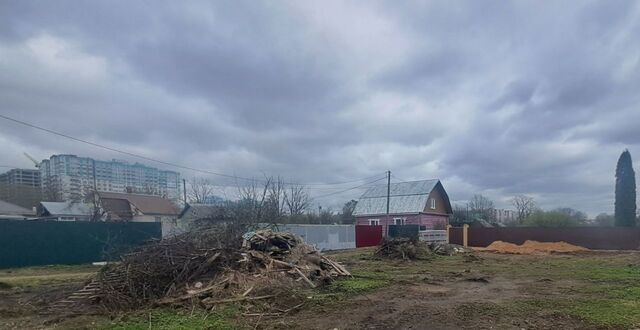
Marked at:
<point>69,177</point>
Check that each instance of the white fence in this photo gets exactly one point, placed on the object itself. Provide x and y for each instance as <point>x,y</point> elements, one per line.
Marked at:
<point>433,236</point>
<point>325,237</point>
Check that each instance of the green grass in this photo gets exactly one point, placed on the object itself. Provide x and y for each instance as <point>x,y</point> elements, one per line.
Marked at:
<point>41,280</point>
<point>608,313</point>
<point>360,282</point>
<point>169,319</point>
<point>605,292</point>
<point>46,275</point>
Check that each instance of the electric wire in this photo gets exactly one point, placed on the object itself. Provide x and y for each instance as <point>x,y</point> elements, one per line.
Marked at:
<point>131,154</point>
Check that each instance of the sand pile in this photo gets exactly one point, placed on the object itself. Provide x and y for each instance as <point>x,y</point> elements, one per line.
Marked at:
<point>533,247</point>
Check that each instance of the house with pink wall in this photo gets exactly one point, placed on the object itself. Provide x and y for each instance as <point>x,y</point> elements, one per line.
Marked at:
<point>424,203</point>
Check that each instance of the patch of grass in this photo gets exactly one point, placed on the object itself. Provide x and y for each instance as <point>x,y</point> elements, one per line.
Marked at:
<point>169,319</point>
<point>46,275</point>
<point>49,269</point>
<point>361,282</point>
<point>608,313</point>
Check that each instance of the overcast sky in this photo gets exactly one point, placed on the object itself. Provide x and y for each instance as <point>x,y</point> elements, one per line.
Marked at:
<point>491,97</point>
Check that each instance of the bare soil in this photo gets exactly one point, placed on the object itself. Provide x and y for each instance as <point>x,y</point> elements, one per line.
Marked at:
<point>484,290</point>
<point>467,300</point>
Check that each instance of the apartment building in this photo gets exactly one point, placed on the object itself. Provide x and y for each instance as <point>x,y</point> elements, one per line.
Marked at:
<point>70,177</point>
<point>22,177</point>
<point>21,187</point>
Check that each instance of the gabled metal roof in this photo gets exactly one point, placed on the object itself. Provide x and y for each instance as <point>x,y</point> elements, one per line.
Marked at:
<point>67,208</point>
<point>405,197</point>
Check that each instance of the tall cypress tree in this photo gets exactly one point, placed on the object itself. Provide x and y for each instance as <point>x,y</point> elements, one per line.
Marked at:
<point>625,191</point>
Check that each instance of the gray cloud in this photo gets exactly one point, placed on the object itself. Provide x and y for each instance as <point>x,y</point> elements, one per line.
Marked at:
<point>492,97</point>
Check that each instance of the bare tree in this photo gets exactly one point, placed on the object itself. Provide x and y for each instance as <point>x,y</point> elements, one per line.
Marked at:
<point>525,205</point>
<point>252,199</point>
<point>199,190</point>
<point>481,206</point>
<point>274,203</point>
<point>347,212</point>
<point>92,199</point>
<point>296,199</point>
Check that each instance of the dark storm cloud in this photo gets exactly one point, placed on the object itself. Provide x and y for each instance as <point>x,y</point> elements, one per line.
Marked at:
<point>492,97</point>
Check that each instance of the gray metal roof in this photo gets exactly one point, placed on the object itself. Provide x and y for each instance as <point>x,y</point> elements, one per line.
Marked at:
<point>7,208</point>
<point>405,197</point>
<point>66,208</point>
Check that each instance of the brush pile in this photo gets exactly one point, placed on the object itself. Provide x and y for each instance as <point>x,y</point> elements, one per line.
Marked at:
<point>413,249</point>
<point>403,248</point>
<point>214,266</point>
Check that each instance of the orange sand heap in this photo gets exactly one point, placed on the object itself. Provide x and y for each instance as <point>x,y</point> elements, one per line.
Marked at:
<point>533,247</point>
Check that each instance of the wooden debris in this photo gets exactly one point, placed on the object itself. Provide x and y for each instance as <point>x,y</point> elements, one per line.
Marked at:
<point>211,267</point>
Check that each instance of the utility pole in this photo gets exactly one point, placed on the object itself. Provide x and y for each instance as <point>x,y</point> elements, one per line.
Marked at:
<point>184,190</point>
<point>388,190</point>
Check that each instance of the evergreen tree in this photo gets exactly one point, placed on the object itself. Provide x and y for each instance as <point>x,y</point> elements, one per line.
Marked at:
<point>625,207</point>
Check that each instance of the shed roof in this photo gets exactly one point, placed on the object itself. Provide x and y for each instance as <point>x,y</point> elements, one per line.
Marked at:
<point>7,208</point>
<point>147,204</point>
<point>404,197</point>
<point>67,208</point>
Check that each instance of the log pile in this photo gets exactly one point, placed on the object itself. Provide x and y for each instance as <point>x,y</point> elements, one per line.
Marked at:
<point>205,269</point>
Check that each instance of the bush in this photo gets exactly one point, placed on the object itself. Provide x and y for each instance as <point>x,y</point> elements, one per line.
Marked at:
<point>550,219</point>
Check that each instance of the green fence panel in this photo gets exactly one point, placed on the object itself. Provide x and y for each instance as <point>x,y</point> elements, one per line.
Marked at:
<point>408,231</point>
<point>31,243</point>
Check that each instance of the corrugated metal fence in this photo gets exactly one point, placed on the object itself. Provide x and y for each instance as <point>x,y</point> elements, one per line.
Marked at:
<point>368,236</point>
<point>596,238</point>
<point>324,237</point>
<point>30,243</point>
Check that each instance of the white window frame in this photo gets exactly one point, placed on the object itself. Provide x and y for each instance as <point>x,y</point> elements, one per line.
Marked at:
<point>432,201</point>
<point>374,222</point>
<point>401,220</point>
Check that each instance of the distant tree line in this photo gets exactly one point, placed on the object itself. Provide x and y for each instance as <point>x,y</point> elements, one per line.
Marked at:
<point>271,200</point>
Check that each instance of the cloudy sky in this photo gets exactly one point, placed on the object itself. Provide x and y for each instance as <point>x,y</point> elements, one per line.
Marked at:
<point>492,97</point>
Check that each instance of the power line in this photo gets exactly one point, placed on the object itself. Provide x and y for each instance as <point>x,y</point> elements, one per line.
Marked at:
<point>161,161</point>
<point>349,189</point>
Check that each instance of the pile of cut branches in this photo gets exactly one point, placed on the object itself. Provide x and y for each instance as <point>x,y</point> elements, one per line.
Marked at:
<point>214,266</point>
<point>403,248</point>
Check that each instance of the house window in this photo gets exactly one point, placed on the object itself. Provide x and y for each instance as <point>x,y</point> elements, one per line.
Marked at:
<point>374,222</point>
<point>399,221</point>
<point>432,201</point>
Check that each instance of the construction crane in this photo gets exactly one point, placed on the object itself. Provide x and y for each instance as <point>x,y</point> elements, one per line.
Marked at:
<point>35,162</point>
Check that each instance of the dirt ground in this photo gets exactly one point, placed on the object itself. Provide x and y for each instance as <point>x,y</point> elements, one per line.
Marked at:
<point>590,290</point>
